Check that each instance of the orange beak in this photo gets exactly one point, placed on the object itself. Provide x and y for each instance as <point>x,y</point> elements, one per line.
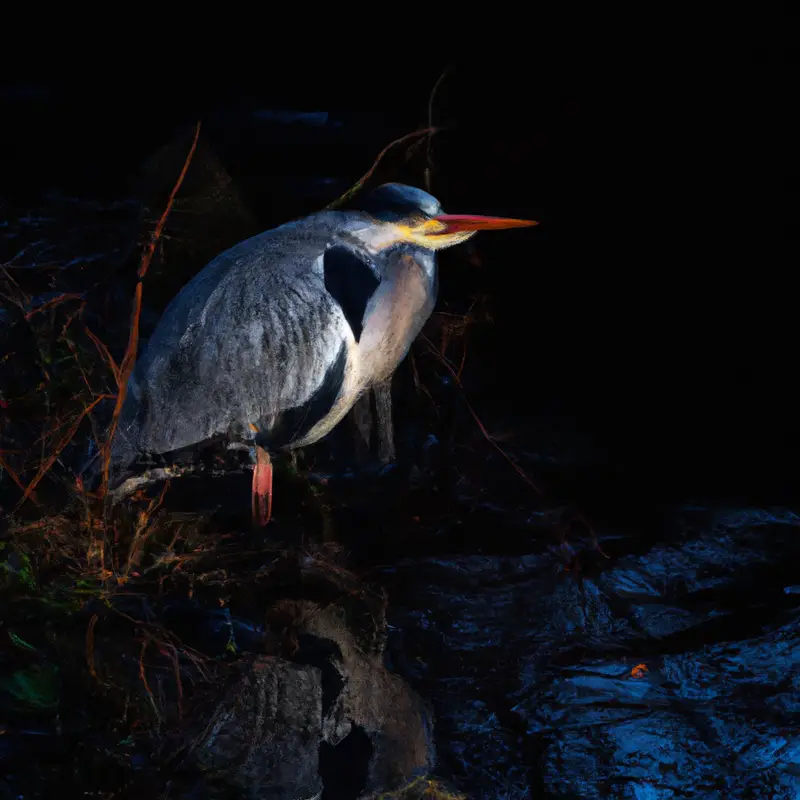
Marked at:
<point>456,223</point>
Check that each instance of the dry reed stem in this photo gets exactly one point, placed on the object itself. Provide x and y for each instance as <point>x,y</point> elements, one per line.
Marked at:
<point>477,419</point>
<point>54,301</point>
<point>456,377</point>
<point>104,352</point>
<point>143,676</point>
<point>142,526</point>
<point>171,652</point>
<point>429,168</point>
<point>121,373</point>
<point>74,350</point>
<point>129,359</point>
<point>10,279</point>
<point>65,440</point>
<point>431,790</point>
<point>14,477</point>
<point>367,175</point>
<point>90,647</point>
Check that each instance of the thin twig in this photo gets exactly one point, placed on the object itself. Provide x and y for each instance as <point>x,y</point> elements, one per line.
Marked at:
<point>129,359</point>
<point>9,277</point>
<point>429,167</point>
<point>480,425</point>
<point>14,477</point>
<point>140,534</point>
<point>104,352</point>
<point>143,676</point>
<point>364,178</point>
<point>171,652</point>
<point>74,350</point>
<point>463,358</point>
<point>55,301</point>
<point>90,647</point>
<point>65,440</point>
<point>500,450</point>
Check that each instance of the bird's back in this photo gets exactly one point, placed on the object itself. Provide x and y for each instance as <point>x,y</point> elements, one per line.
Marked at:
<point>251,337</point>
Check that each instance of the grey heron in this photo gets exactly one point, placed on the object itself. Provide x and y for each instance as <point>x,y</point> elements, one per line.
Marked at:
<point>271,344</point>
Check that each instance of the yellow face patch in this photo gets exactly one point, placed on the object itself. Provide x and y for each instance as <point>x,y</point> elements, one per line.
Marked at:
<point>428,233</point>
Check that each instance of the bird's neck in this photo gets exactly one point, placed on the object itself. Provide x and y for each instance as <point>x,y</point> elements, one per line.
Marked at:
<point>427,261</point>
<point>400,308</point>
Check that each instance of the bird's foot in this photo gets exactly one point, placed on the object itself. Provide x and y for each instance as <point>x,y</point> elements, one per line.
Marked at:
<point>262,488</point>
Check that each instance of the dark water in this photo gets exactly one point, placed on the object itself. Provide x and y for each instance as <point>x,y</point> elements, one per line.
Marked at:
<point>629,372</point>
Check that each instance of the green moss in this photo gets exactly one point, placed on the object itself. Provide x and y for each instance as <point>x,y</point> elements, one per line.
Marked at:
<point>21,643</point>
<point>15,568</point>
<point>37,687</point>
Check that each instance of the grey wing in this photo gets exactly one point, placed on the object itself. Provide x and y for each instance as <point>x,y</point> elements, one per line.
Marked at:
<point>245,344</point>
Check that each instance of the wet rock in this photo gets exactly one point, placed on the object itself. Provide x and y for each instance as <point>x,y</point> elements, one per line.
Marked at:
<point>391,717</point>
<point>717,721</point>
<point>332,716</point>
<point>667,670</point>
<point>264,738</point>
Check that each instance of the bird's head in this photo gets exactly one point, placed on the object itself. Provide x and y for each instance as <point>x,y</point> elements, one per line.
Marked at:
<point>405,214</point>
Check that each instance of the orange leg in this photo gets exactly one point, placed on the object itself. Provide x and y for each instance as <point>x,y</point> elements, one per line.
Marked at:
<point>262,487</point>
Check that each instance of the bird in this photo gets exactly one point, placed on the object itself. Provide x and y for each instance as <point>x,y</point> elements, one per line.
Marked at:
<point>269,346</point>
